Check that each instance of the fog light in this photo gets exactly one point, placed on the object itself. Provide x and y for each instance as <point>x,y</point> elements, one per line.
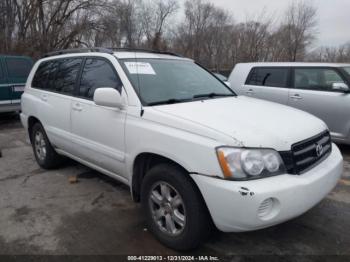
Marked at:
<point>268,209</point>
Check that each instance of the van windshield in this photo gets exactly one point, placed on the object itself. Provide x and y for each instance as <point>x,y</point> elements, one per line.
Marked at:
<point>166,81</point>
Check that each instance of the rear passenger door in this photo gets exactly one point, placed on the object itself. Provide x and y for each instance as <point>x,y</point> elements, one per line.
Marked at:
<point>98,132</point>
<point>268,83</point>
<point>5,91</point>
<point>18,69</point>
<point>57,80</point>
<point>313,92</point>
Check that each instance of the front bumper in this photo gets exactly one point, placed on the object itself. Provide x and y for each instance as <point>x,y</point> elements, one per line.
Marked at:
<point>244,206</point>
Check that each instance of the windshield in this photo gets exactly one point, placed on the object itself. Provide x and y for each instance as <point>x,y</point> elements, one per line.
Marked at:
<point>162,81</point>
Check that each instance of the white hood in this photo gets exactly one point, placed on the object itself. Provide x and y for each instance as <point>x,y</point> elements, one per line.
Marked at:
<point>251,122</point>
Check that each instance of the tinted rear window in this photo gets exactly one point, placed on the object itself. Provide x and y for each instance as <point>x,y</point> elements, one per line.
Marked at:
<point>275,77</point>
<point>18,67</point>
<point>57,75</point>
<point>41,76</point>
<point>66,75</point>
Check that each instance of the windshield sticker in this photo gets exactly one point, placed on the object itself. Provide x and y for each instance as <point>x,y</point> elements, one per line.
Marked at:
<point>140,68</point>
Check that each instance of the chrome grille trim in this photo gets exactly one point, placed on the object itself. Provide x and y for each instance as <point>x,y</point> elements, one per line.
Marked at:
<point>303,155</point>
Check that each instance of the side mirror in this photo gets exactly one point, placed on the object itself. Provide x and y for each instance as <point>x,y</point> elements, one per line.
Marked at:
<point>340,87</point>
<point>108,97</point>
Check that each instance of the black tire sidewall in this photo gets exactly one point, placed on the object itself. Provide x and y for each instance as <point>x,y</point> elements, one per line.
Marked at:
<point>196,213</point>
<point>52,159</point>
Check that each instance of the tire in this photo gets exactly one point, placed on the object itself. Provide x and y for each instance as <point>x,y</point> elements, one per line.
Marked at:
<point>187,232</point>
<point>44,153</point>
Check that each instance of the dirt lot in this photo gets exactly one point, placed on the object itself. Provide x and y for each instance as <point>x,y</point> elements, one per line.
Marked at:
<point>42,213</point>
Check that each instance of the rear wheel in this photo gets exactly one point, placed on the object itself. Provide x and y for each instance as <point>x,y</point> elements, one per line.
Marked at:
<point>175,211</point>
<point>45,154</point>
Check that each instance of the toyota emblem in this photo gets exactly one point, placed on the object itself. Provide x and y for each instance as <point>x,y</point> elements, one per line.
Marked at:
<point>319,150</point>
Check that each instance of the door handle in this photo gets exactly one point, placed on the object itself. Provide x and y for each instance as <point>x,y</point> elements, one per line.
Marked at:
<point>77,107</point>
<point>250,92</point>
<point>296,97</point>
<point>44,98</point>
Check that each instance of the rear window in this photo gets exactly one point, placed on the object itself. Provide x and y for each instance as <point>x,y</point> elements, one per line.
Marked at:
<point>58,75</point>
<point>66,76</point>
<point>41,76</point>
<point>18,67</point>
<point>274,77</point>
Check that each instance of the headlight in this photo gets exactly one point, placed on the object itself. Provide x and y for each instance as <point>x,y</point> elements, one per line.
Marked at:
<point>240,163</point>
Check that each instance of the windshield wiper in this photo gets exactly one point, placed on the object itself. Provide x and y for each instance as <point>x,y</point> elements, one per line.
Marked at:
<point>175,101</point>
<point>168,102</point>
<point>212,95</point>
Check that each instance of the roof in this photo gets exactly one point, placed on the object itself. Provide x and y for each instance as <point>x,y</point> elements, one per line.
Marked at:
<point>295,64</point>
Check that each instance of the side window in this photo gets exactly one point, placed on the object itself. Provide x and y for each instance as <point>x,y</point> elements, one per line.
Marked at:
<point>252,77</point>
<point>41,76</point>
<point>64,78</point>
<point>98,73</point>
<point>51,78</point>
<point>18,67</point>
<point>316,78</point>
<point>274,77</point>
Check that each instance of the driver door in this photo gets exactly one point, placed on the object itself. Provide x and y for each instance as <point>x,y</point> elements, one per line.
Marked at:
<point>98,132</point>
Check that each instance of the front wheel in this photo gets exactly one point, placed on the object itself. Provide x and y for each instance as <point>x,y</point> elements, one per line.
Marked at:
<point>175,211</point>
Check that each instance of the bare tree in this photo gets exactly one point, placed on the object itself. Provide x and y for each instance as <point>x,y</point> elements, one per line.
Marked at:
<point>192,35</point>
<point>38,26</point>
<point>339,54</point>
<point>207,33</point>
<point>154,17</point>
<point>298,31</point>
<point>7,24</point>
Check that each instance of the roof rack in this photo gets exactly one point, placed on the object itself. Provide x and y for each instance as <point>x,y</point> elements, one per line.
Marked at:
<point>121,49</point>
<point>107,51</point>
<point>79,50</point>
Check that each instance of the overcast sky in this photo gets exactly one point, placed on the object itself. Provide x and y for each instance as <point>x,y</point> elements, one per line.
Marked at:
<point>333,16</point>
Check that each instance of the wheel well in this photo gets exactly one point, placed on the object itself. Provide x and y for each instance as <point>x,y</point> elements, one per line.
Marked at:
<point>31,122</point>
<point>142,164</point>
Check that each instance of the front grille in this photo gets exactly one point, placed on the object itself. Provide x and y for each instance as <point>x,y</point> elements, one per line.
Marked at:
<point>307,154</point>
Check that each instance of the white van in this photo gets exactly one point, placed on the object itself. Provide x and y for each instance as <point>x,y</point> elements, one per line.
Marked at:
<point>191,151</point>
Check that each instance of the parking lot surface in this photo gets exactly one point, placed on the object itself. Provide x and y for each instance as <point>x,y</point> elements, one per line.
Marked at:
<point>41,212</point>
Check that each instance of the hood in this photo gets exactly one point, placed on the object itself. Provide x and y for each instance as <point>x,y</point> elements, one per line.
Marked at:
<point>250,122</point>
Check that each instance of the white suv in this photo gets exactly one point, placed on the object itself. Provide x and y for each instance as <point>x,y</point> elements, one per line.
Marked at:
<point>191,151</point>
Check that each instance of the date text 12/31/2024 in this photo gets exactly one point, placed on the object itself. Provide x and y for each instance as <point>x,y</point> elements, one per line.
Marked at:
<point>173,258</point>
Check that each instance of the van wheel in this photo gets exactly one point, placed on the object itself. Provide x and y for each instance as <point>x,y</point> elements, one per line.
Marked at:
<point>175,211</point>
<point>45,154</point>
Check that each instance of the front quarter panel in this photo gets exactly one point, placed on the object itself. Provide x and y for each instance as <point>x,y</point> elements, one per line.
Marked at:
<point>193,152</point>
